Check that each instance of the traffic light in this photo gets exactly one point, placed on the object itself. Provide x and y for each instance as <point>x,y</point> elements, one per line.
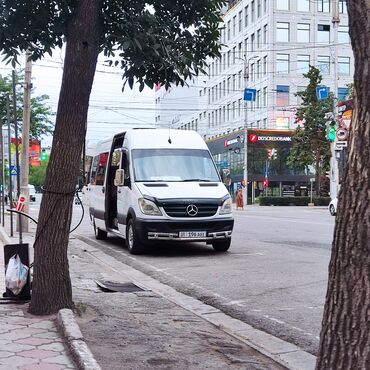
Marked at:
<point>265,183</point>
<point>44,156</point>
<point>331,130</point>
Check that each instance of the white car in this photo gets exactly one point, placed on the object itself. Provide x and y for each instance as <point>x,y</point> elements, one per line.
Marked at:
<point>333,206</point>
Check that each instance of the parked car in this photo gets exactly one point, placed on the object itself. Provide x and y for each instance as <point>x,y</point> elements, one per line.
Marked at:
<point>32,193</point>
<point>333,206</point>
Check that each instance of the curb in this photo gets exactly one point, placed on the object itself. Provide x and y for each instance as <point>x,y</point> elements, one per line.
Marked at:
<point>75,341</point>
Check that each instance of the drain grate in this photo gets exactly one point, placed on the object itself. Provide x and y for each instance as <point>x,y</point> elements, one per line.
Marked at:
<point>113,286</point>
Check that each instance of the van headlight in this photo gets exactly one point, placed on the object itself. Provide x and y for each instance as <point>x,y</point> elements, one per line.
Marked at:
<point>149,208</point>
<point>226,207</point>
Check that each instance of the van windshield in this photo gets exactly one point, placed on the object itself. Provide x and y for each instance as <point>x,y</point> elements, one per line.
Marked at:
<point>173,165</point>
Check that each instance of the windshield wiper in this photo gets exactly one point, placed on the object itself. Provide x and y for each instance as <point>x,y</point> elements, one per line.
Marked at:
<point>199,180</point>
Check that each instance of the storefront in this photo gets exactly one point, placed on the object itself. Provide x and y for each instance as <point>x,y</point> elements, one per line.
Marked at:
<point>268,170</point>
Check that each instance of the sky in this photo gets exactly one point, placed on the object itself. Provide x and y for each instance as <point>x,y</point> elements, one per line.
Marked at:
<point>110,111</point>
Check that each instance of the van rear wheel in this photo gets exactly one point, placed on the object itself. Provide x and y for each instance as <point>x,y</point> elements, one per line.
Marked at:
<point>221,246</point>
<point>99,233</point>
<point>132,241</point>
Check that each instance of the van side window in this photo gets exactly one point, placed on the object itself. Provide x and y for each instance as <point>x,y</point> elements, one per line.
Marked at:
<point>102,166</point>
<point>94,167</point>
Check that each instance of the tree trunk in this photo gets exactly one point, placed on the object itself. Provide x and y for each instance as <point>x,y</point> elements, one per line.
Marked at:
<point>317,172</point>
<point>345,334</point>
<point>51,289</point>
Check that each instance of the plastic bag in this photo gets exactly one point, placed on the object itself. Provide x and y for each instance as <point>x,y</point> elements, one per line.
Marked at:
<point>16,275</point>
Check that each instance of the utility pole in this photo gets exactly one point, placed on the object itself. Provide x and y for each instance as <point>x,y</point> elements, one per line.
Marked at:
<point>25,139</point>
<point>2,175</point>
<point>334,169</point>
<point>245,133</point>
<point>10,192</point>
<point>17,153</point>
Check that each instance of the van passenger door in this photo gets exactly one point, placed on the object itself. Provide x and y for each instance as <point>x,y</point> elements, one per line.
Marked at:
<point>97,189</point>
<point>124,193</point>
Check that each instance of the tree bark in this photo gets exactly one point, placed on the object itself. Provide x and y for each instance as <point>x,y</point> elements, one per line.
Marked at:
<point>51,289</point>
<point>345,334</point>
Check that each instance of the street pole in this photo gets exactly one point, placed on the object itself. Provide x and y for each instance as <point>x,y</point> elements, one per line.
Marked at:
<point>2,176</point>
<point>25,140</point>
<point>17,153</point>
<point>10,193</point>
<point>245,129</point>
<point>334,169</point>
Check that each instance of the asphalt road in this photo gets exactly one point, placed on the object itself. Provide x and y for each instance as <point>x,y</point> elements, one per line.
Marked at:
<point>273,277</point>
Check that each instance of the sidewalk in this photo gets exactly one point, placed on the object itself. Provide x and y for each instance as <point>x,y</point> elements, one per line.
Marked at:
<point>27,341</point>
<point>131,330</point>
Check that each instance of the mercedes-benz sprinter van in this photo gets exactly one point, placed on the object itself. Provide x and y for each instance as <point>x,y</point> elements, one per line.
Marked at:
<point>151,185</point>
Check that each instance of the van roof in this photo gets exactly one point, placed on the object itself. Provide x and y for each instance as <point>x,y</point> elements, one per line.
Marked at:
<point>145,138</point>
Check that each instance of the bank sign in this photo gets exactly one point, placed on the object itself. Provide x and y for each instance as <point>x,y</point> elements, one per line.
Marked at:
<point>263,138</point>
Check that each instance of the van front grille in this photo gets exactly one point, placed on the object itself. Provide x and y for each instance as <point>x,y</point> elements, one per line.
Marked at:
<point>191,210</point>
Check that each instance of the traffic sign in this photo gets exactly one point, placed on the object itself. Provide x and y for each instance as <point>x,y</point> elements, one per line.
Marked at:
<point>339,145</point>
<point>342,134</point>
<point>20,203</point>
<point>13,171</point>
<point>322,92</point>
<point>250,94</point>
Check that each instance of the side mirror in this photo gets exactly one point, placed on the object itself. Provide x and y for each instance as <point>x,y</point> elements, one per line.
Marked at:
<point>119,178</point>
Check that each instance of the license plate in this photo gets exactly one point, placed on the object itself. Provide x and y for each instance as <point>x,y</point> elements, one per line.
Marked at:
<point>192,234</point>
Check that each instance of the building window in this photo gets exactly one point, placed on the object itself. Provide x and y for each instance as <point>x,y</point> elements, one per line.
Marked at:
<point>265,65</point>
<point>234,54</point>
<point>282,95</point>
<point>228,30</point>
<point>265,34</point>
<point>234,83</point>
<point>259,39</point>
<point>323,64</point>
<point>259,10</point>
<point>264,97</point>
<point>303,5</point>
<point>343,35</point>
<point>234,110</point>
<point>228,58</point>
<point>300,89</point>
<point>234,25</point>
<point>303,32</point>
<point>240,83</point>
<point>342,6</point>
<point>265,123</point>
<point>223,114</point>
<point>240,54</point>
<point>282,63</point>
<point>253,14</point>
<point>228,112</point>
<point>224,87</point>
<point>246,47</point>
<point>323,33</point>
<point>282,32</point>
<point>343,66</point>
<point>253,42</point>
<point>219,90</point>
<point>323,6</point>
<point>303,63</point>
<point>258,99</point>
<point>259,68</point>
<point>282,4</point>
<point>246,15</point>
<point>342,93</point>
<point>240,21</point>
<point>228,85</point>
<point>252,72</point>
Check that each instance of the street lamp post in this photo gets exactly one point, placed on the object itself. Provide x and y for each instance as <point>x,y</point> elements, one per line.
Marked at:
<point>245,131</point>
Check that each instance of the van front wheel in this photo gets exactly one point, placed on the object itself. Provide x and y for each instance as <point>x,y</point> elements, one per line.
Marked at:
<point>221,246</point>
<point>132,240</point>
<point>99,234</point>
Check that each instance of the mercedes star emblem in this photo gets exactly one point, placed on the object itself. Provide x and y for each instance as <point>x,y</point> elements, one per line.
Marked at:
<point>192,210</point>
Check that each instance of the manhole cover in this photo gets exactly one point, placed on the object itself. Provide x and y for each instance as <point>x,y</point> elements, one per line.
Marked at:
<point>113,286</point>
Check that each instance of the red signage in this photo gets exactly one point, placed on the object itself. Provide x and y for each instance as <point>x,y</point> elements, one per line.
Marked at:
<point>253,138</point>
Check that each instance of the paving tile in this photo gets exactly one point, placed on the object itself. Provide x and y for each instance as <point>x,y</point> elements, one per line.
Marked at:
<point>37,353</point>
<point>12,336</point>
<point>48,335</point>
<point>17,347</point>
<point>61,359</point>
<point>56,346</point>
<point>14,362</point>
<point>33,341</point>
<point>4,354</point>
<point>42,366</point>
<point>48,325</point>
<point>30,331</point>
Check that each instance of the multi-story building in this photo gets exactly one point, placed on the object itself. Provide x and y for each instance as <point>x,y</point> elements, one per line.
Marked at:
<point>268,46</point>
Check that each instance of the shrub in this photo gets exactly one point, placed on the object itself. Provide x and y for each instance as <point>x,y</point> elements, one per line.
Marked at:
<point>293,201</point>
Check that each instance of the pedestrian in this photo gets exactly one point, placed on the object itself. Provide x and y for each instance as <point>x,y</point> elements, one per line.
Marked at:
<point>239,199</point>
